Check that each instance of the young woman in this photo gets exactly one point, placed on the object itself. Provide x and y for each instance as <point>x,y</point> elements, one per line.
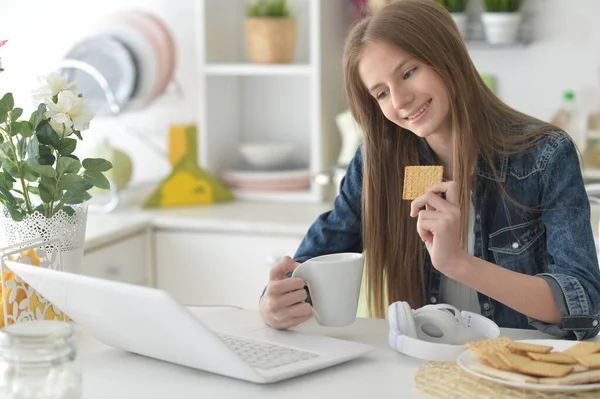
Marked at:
<point>507,234</point>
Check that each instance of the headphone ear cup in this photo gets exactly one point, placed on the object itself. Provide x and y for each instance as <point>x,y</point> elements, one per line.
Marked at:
<point>436,325</point>
<point>400,319</point>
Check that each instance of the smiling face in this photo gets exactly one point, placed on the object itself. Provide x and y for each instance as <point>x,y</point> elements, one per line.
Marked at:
<point>409,93</point>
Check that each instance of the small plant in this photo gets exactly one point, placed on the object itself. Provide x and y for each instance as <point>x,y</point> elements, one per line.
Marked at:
<point>39,171</point>
<point>268,9</point>
<point>453,5</point>
<point>502,5</point>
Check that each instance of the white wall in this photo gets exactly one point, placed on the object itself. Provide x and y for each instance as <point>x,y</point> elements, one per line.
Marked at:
<point>564,54</point>
<point>40,32</point>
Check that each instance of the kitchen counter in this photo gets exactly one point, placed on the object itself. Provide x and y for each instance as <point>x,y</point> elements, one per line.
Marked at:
<point>238,216</point>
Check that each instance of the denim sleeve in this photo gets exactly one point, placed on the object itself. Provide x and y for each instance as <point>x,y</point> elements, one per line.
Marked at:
<point>573,273</point>
<point>338,230</point>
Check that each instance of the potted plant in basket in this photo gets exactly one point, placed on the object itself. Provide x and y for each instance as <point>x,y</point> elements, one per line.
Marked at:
<point>270,32</point>
<point>457,11</point>
<point>501,21</point>
<point>43,184</point>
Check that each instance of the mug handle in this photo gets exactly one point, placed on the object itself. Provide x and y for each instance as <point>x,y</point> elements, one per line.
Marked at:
<point>308,300</point>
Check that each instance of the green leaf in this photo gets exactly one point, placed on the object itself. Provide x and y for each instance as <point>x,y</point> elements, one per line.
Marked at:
<point>46,188</point>
<point>67,146</point>
<point>69,211</point>
<point>33,151</point>
<point>97,179</point>
<point>8,178</point>
<point>45,155</point>
<point>28,173</point>
<point>26,129</point>
<point>72,181</point>
<point>67,165</point>
<point>22,147</point>
<point>96,164</point>
<point>33,190</point>
<point>76,197</point>
<point>44,170</point>
<point>16,114</point>
<point>10,167</point>
<point>46,135</point>
<point>15,128</point>
<point>6,148</point>
<point>36,116</point>
<point>7,103</point>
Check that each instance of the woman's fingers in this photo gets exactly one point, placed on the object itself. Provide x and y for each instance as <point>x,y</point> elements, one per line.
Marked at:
<point>451,188</point>
<point>429,198</point>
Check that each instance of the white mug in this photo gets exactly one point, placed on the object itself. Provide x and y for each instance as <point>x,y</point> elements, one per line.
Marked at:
<point>334,285</point>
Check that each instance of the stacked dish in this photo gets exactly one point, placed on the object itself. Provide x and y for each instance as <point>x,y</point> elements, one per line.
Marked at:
<point>135,54</point>
<point>267,167</point>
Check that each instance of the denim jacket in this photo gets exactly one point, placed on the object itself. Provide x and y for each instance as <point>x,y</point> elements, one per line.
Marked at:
<point>555,243</point>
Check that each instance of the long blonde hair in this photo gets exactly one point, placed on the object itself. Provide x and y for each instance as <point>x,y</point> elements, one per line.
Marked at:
<point>483,127</point>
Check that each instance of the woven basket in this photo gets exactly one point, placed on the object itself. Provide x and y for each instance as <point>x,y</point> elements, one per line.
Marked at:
<point>448,381</point>
<point>271,40</point>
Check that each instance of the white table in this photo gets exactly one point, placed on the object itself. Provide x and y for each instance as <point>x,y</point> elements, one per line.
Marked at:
<point>383,373</point>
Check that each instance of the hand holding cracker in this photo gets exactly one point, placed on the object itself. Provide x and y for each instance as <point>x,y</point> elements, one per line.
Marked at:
<point>438,225</point>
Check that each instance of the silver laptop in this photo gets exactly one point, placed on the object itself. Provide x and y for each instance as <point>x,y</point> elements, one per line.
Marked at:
<point>149,322</point>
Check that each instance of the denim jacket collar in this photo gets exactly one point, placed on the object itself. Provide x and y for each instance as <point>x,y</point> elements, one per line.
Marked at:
<point>483,169</point>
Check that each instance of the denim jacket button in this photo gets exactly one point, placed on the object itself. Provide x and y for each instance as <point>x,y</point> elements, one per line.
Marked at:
<point>478,216</point>
<point>486,306</point>
<point>433,299</point>
<point>515,245</point>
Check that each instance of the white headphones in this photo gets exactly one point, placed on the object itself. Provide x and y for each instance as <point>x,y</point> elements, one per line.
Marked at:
<point>436,332</point>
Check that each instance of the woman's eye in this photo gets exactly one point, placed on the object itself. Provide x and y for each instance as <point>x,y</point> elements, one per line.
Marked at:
<point>382,95</point>
<point>409,73</point>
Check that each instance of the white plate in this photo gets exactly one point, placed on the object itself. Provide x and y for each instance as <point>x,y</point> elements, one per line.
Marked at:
<point>147,64</point>
<point>468,358</point>
<point>116,64</point>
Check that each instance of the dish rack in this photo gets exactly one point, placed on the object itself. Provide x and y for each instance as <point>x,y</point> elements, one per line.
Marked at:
<point>116,110</point>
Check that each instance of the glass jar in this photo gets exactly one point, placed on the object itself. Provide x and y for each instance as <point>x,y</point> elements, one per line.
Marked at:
<point>38,361</point>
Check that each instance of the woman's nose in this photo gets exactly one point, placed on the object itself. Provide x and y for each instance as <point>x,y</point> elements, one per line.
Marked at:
<point>401,98</point>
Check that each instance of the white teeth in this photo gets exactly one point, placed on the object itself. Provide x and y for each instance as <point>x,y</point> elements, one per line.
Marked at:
<point>419,112</point>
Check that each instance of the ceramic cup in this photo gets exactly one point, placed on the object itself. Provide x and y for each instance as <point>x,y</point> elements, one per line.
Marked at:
<point>334,283</point>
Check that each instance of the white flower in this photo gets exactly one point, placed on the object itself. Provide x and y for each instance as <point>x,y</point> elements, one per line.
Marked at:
<point>0,64</point>
<point>60,128</point>
<point>50,86</point>
<point>70,110</point>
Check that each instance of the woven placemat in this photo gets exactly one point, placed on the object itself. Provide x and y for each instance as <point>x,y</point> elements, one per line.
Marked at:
<point>448,381</point>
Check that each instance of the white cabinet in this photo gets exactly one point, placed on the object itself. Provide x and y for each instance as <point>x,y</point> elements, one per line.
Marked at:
<point>206,268</point>
<point>126,260</point>
<point>241,102</point>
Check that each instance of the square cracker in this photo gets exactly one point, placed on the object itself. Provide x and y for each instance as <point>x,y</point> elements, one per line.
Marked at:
<point>552,357</point>
<point>419,178</point>
<point>583,348</point>
<point>522,347</point>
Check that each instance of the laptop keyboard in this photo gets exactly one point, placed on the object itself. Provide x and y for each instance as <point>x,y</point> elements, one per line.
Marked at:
<point>263,355</point>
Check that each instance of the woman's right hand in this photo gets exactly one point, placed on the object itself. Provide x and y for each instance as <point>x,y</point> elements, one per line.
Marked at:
<point>283,303</point>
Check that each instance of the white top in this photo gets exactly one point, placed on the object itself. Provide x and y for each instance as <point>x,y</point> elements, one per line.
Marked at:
<point>458,294</point>
<point>383,373</point>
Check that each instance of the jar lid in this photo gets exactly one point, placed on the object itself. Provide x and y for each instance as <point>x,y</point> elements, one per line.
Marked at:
<point>37,341</point>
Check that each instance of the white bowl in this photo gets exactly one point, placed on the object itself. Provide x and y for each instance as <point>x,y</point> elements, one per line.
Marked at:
<point>267,155</point>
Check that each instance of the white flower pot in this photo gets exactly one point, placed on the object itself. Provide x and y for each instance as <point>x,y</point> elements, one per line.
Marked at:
<point>70,229</point>
<point>501,27</point>
<point>461,20</point>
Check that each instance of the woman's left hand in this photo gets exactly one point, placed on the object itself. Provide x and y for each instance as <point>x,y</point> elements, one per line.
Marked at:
<point>438,226</point>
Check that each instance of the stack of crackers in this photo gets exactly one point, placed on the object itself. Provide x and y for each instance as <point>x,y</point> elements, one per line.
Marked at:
<point>537,364</point>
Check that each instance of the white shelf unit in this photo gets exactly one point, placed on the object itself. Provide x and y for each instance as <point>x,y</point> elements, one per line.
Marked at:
<point>241,102</point>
